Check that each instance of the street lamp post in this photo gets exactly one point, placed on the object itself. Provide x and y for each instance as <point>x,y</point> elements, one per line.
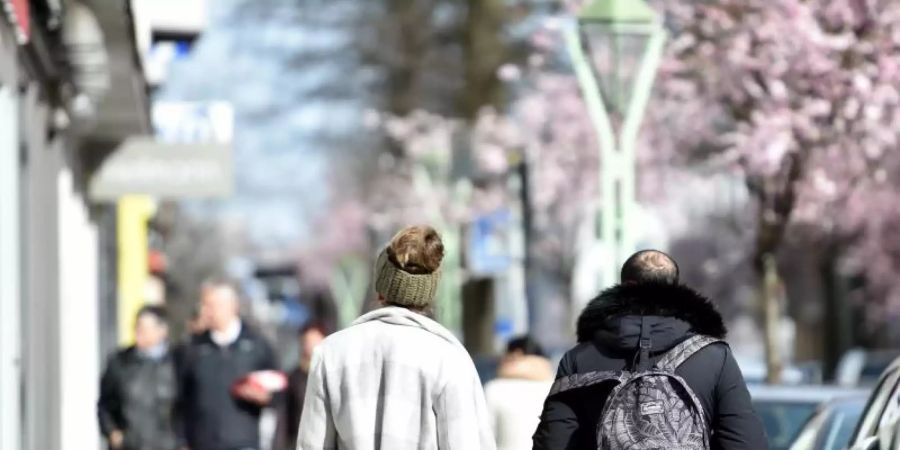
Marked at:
<point>615,51</point>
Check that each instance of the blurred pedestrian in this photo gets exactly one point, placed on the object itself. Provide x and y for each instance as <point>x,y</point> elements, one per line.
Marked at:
<point>396,379</point>
<point>138,390</point>
<point>311,335</point>
<point>516,396</point>
<point>220,411</point>
<point>632,326</point>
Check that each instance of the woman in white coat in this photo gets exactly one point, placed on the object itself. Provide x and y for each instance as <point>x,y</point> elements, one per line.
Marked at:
<point>396,379</point>
<point>516,397</point>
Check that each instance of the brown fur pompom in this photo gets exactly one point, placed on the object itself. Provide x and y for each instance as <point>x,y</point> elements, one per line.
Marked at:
<point>417,249</point>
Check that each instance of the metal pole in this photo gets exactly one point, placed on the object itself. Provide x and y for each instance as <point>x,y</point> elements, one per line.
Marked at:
<point>643,87</point>
<point>132,215</point>
<point>609,160</point>
<point>617,156</point>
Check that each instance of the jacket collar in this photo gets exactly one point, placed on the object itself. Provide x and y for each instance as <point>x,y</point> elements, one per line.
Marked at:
<point>396,315</point>
<point>245,332</point>
<point>656,299</point>
<point>228,336</point>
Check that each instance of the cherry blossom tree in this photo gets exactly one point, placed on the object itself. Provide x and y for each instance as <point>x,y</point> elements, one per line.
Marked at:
<point>800,97</point>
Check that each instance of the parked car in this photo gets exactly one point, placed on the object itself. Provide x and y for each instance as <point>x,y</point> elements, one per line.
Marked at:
<point>879,427</point>
<point>785,409</point>
<point>862,367</point>
<point>754,372</point>
<point>832,425</point>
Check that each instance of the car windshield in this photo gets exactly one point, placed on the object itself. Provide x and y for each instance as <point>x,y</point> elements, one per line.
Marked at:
<point>783,420</point>
<point>838,429</point>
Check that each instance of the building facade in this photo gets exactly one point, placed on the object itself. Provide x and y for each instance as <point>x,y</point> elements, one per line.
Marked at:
<point>69,91</point>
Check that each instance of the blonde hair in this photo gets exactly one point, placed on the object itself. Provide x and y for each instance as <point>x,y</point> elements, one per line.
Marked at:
<point>417,249</point>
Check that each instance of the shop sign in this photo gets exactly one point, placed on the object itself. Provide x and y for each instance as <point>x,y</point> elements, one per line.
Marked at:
<point>143,165</point>
<point>190,156</point>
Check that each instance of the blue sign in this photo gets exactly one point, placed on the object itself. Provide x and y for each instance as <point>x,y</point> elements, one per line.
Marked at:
<point>488,251</point>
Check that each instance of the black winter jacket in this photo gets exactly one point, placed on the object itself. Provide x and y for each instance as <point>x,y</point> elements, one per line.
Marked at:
<point>291,410</point>
<point>608,334</point>
<point>213,418</point>
<point>137,397</point>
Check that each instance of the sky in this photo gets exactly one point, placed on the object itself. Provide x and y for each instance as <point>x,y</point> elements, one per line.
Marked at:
<point>283,66</point>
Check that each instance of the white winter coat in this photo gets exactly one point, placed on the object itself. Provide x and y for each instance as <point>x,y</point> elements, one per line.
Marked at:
<point>394,380</point>
<point>516,398</point>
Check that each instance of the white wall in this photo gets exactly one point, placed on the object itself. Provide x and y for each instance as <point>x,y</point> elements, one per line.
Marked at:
<point>78,320</point>
<point>10,274</point>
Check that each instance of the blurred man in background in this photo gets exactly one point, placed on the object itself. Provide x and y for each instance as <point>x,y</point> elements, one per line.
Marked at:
<point>221,412</point>
<point>138,390</point>
<point>516,396</point>
<point>311,335</point>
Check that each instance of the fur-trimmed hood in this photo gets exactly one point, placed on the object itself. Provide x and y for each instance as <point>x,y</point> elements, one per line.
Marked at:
<point>659,300</point>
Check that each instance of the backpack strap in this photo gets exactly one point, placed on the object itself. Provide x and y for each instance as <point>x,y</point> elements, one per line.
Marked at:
<point>642,363</point>
<point>675,357</point>
<point>581,380</point>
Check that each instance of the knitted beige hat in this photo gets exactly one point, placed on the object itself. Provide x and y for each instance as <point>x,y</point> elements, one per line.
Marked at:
<point>402,288</point>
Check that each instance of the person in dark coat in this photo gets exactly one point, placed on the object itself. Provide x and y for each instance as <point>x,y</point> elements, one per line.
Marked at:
<point>608,331</point>
<point>136,409</point>
<point>219,413</point>
<point>311,335</point>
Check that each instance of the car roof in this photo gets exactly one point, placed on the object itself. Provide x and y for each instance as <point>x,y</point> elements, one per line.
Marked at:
<point>804,393</point>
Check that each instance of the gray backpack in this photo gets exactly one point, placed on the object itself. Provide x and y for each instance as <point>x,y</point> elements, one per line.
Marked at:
<point>649,407</point>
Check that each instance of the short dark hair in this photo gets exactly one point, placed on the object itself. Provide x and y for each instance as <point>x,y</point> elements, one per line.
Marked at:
<point>157,312</point>
<point>315,325</point>
<point>650,266</point>
<point>524,344</point>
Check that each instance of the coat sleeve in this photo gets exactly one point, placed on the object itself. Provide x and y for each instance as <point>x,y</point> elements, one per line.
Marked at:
<point>559,422</point>
<point>461,413</point>
<point>317,430</point>
<point>109,404</point>
<point>736,425</point>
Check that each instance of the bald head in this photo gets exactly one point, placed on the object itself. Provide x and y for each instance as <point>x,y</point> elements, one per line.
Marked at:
<point>650,266</point>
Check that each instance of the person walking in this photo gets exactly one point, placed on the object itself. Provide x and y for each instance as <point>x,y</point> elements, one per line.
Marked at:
<point>396,379</point>
<point>656,344</point>
<point>311,335</point>
<point>220,412</point>
<point>516,396</point>
<point>136,409</point>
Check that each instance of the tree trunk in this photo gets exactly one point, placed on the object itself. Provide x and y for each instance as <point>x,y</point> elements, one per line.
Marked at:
<point>485,51</point>
<point>772,312</point>
<point>838,334</point>
<point>410,39</point>
<point>777,197</point>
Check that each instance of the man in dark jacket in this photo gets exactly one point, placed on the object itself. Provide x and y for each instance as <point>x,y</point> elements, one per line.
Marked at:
<point>138,389</point>
<point>219,413</point>
<point>608,332</point>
